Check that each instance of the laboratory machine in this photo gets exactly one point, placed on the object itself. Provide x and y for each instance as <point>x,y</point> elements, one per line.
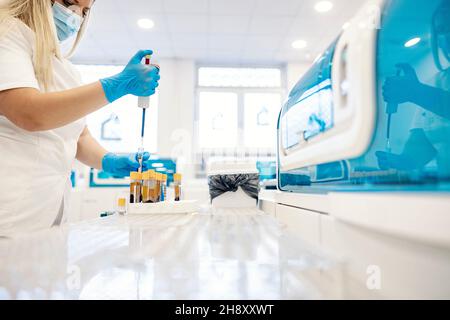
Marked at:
<point>364,150</point>
<point>373,113</point>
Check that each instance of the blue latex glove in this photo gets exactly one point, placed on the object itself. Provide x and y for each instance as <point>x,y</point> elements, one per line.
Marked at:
<point>122,165</point>
<point>137,79</point>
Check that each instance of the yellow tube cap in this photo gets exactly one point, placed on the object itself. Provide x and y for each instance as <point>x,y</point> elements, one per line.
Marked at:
<point>121,202</point>
<point>177,177</point>
<point>151,174</point>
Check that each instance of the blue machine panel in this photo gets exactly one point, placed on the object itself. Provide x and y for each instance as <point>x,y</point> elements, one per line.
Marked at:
<point>410,148</point>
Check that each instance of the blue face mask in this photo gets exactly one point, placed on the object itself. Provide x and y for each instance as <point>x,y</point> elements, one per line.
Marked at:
<point>67,23</point>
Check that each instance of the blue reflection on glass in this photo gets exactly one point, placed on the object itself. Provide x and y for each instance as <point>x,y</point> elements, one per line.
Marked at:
<point>309,110</point>
<point>411,144</point>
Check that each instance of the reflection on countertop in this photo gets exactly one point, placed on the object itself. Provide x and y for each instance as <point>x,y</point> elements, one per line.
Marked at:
<point>219,254</point>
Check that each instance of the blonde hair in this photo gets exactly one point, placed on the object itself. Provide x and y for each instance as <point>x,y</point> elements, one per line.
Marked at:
<point>38,16</point>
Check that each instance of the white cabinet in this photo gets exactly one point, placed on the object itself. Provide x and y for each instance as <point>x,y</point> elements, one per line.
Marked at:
<point>380,265</point>
<point>378,262</point>
<point>302,223</point>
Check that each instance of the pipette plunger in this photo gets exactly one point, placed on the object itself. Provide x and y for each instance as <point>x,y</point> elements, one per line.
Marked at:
<point>144,103</point>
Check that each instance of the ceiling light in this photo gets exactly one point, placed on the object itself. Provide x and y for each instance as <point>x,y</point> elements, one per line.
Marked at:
<point>323,6</point>
<point>299,44</point>
<point>146,23</point>
<point>412,42</point>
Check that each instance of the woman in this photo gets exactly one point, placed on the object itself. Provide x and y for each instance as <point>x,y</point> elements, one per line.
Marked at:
<point>42,110</point>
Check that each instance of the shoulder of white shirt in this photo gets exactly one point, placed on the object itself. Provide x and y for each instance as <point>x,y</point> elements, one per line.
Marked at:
<point>15,26</point>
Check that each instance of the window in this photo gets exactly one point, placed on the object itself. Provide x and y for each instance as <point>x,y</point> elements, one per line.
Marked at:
<point>118,126</point>
<point>238,109</point>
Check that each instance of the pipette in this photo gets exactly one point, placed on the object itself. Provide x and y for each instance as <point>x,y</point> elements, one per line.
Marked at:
<point>144,103</point>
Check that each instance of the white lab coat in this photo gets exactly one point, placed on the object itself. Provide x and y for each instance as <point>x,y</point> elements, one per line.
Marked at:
<point>35,167</point>
<point>437,128</point>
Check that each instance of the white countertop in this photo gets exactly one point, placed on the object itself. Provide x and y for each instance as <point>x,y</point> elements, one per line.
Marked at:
<point>221,254</point>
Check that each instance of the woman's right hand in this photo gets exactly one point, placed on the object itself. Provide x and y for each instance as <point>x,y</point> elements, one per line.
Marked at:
<point>401,88</point>
<point>137,79</point>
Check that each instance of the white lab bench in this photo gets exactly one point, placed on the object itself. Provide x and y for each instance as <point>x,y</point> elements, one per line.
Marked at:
<point>401,240</point>
<point>297,246</point>
<point>216,254</point>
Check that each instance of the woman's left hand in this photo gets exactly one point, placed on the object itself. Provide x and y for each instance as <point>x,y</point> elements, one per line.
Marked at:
<point>122,165</point>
